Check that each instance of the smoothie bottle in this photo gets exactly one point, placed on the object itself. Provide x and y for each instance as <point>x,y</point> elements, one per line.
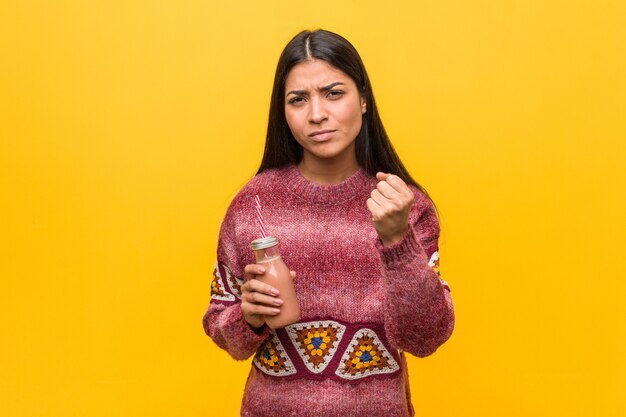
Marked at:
<point>278,276</point>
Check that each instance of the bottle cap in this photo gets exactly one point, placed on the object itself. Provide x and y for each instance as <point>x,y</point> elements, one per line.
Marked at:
<point>263,243</point>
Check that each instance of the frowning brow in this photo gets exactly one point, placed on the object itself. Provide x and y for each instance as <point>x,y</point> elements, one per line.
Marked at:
<point>325,88</point>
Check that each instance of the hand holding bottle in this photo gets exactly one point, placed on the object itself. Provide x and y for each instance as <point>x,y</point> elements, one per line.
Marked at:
<point>259,299</point>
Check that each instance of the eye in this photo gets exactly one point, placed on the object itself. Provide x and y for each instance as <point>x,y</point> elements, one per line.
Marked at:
<point>296,100</point>
<point>334,94</point>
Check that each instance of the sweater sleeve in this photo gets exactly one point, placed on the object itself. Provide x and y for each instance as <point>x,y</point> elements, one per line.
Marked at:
<point>419,315</point>
<point>223,321</point>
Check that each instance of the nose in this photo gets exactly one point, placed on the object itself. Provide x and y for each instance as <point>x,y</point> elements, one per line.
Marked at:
<point>317,111</point>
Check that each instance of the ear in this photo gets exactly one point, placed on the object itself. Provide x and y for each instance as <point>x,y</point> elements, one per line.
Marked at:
<point>363,105</point>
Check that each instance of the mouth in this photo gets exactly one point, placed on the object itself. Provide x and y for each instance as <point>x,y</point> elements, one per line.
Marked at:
<point>322,135</point>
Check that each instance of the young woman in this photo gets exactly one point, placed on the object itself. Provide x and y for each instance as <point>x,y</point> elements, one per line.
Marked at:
<point>358,231</point>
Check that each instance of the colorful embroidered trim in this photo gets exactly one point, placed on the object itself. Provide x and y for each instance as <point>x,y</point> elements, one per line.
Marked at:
<point>218,291</point>
<point>434,264</point>
<point>366,356</point>
<point>309,350</point>
<point>233,282</point>
<point>272,359</point>
<point>316,342</point>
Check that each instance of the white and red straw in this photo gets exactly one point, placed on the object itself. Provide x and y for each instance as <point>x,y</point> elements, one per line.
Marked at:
<point>259,215</point>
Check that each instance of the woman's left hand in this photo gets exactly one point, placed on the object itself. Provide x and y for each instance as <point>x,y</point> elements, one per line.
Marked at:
<point>390,205</point>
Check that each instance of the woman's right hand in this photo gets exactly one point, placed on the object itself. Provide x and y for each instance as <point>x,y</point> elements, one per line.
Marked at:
<point>257,298</point>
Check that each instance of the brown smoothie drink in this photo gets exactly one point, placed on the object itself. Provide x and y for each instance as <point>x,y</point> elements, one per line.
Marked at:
<point>278,276</point>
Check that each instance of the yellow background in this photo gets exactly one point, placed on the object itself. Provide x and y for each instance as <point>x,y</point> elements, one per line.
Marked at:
<point>127,126</point>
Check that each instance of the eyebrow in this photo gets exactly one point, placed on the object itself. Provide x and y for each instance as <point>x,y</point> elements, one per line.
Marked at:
<point>325,88</point>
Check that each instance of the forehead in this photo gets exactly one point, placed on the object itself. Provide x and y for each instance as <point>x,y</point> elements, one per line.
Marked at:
<point>314,74</point>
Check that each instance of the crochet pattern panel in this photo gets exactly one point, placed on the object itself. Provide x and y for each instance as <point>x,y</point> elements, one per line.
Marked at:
<point>346,352</point>
<point>434,264</point>
<point>272,359</point>
<point>218,288</point>
<point>366,356</point>
<point>233,282</point>
<point>316,342</point>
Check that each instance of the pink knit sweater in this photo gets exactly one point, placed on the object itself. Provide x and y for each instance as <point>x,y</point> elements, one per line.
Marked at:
<point>362,304</point>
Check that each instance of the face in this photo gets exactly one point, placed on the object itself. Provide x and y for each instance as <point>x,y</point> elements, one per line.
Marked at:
<point>323,108</point>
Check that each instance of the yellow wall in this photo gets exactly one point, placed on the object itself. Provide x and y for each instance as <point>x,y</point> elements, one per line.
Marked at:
<point>127,127</point>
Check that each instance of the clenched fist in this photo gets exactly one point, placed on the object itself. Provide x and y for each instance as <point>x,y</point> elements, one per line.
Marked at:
<point>390,204</point>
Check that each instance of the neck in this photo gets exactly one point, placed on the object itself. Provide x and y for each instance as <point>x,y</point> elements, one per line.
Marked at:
<point>327,172</point>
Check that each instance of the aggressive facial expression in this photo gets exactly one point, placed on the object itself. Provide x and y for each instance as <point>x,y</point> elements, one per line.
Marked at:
<point>324,109</point>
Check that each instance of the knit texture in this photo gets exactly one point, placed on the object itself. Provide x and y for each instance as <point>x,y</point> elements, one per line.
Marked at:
<point>362,304</point>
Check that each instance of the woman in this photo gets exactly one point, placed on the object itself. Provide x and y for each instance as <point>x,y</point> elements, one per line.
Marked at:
<point>359,232</point>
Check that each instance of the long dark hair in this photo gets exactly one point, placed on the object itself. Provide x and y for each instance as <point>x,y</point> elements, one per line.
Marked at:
<point>374,151</point>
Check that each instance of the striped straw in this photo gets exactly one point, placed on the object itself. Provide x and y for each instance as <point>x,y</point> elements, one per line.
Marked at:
<point>259,215</point>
